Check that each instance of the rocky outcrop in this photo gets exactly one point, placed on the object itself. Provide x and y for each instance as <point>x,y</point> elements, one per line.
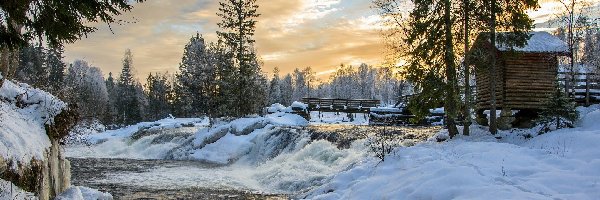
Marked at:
<point>32,123</point>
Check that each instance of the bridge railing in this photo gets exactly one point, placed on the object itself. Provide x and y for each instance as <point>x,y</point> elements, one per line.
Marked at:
<point>340,105</point>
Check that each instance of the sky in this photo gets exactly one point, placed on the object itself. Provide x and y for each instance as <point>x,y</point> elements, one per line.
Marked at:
<point>290,34</point>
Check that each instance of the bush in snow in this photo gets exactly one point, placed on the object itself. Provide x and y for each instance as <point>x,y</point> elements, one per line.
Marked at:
<point>559,112</point>
<point>382,143</point>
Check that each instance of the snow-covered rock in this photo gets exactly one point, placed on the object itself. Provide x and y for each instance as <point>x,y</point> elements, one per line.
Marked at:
<point>29,152</point>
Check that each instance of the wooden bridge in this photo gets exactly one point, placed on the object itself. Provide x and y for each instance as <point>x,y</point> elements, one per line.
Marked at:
<point>341,105</point>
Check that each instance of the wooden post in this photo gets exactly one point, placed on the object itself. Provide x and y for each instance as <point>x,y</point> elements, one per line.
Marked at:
<point>587,89</point>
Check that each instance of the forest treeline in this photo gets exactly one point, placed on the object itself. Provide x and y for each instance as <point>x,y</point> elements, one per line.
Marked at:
<point>221,78</point>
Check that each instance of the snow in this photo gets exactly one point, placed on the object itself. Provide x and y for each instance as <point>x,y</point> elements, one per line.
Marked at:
<point>83,193</point>
<point>23,113</point>
<point>167,123</point>
<point>10,191</point>
<point>561,164</point>
<point>221,144</point>
<point>297,104</point>
<point>285,119</point>
<point>539,42</point>
<point>318,118</point>
<point>38,103</point>
<point>276,107</point>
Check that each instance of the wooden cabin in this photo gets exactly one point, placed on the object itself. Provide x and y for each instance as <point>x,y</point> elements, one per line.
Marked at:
<point>525,77</point>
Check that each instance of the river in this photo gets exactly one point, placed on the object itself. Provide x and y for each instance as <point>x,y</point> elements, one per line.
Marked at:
<point>332,150</point>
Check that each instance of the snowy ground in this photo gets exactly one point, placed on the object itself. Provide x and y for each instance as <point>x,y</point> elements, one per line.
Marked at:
<point>561,164</point>
<point>317,117</point>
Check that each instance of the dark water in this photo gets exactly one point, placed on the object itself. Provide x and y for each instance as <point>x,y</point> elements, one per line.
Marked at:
<point>85,170</point>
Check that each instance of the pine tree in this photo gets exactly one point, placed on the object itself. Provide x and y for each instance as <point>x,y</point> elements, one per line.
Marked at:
<point>158,90</point>
<point>33,68</point>
<point>275,88</point>
<point>111,112</point>
<point>287,90</point>
<point>128,106</point>
<point>56,68</point>
<point>558,110</point>
<point>238,25</point>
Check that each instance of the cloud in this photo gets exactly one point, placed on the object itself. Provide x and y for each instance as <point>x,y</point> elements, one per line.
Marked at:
<point>290,33</point>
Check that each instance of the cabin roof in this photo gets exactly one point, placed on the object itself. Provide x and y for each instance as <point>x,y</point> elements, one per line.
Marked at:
<point>540,42</point>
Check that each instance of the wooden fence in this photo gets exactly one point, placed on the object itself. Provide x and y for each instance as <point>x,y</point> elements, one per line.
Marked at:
<point>583,88</point>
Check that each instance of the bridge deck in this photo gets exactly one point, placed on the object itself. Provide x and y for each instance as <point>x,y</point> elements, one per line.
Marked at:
<point>341,105</point>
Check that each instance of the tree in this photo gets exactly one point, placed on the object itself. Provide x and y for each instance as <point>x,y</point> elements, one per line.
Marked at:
<point>287,90</point>
<point>431,27</point>
<point>238,25</point>
<point>300,88</point>
<point>558,110</point>
<point>275,88</point>
<point>32,67</point>
<point>87,90</point>
<point>56,21</point>
<point>56,68</point>
<point>112,90</point>
<point>128,103</point>
<point>158,90</point>
<point>197,77</point>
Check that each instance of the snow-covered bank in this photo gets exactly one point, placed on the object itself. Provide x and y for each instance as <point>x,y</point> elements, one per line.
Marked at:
<point>32,122</point>
<point>560,164</point>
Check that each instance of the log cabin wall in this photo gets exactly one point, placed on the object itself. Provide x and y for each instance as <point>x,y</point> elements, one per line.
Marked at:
<point>524,81</point>
<point>530,80</point>
<point>482,79</point>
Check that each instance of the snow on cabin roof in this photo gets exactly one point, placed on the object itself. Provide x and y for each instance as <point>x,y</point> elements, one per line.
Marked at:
<point>540,42</point>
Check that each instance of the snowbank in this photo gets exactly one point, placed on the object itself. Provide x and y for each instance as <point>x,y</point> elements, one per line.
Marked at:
<point>561,164</point>
<point>83,193</point>
<point>23,113</point>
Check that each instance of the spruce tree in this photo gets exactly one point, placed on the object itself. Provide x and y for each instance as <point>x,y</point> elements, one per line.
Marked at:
<point>275,88</point>
<point>128,102</point>
<point>559,110</point>
<point>238,25</point>
<point>56,68</point>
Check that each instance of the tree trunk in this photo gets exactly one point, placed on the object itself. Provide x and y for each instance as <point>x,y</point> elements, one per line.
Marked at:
<point>467,107</point>
<point>492,72</point>
<point>450,101</point>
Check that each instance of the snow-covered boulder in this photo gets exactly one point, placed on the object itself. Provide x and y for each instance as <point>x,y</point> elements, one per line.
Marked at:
<point>32,122</point>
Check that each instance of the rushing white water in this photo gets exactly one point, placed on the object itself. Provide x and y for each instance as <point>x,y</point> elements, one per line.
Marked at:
<point>286,173</point>
<point>270,159</point>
